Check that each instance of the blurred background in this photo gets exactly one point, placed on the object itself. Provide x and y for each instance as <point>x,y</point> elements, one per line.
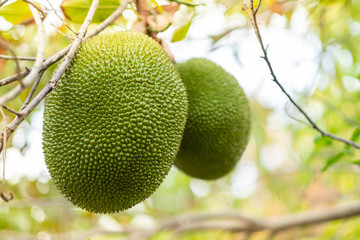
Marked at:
<point>287,166</point>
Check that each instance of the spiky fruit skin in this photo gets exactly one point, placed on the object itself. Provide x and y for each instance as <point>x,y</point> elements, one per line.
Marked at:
<point>114,125</point>
<point>218,124</point>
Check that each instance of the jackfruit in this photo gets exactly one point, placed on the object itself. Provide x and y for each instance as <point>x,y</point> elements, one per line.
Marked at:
<point>114,125</point>
<point>218,123</point>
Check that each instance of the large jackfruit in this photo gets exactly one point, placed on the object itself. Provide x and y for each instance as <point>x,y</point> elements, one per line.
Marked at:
<point>218,124</point>
<point>114,125</point>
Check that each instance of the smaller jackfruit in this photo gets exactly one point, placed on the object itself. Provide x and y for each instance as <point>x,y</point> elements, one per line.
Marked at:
<point>218,124</point>
<point>114,125</point>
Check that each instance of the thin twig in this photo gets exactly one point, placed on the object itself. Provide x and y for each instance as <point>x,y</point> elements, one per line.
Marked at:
<point>37,65</point>
<point>115,15</point>
<point>253,19</point>
<point>6,57</point>
<point>11,110</point>
<point>281,223</point>
<point>32,91</point>
<point>64,34</point>
<point>258,6</point>
<point>61,18</point>
<point>17,64</point>
<point>15,77</point>
<point>43,14</point>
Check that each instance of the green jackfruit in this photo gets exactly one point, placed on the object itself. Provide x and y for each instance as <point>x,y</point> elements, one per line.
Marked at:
<point>114,125</point>
<point>218,124</point>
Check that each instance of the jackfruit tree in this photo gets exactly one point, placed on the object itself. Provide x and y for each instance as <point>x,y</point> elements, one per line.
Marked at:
<point>182,119</point>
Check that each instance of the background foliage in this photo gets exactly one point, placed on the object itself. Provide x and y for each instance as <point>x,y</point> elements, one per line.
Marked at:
<point>287,167</point>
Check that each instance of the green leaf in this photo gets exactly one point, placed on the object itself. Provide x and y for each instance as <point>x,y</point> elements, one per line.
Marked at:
<point>357,162</point>
<point>180,32</point>
<point>76,10</point>
<point>323,141</point>
<point>354,137</point>
<point>331,161</point>
<point>356,134</point>
<point>16,12</point>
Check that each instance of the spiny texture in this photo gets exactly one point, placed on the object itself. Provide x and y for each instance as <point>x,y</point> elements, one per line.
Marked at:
<point>218,124</point>
<point>113,126</point>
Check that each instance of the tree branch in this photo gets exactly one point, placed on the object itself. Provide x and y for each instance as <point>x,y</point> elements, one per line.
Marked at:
<point>75,45</point>
<point>252,17</point>
<point>11,110</point>
<point>6,57</point>
<point>15,77</point>
<point>48,62</point>
<point>116,14</point>
<point>38,61</point>
<point>34,6</point>
<point>52,7</point>
<point>3,2</point>
<point>32,90</point>
<point>54,80</point>
<point>57,56</point>
<point>235,222</point>
<point>224,221</point>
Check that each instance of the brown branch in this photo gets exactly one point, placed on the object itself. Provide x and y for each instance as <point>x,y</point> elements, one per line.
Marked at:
<point>75,45</point>
<point>54,80</point>
<point>37,65</point>
<point>3,2</point>
<point>227,221</point>
<point>17,64</point>
<point>239,223</point>
<point>43,14</point>
<point>253,19</point>
<point>15,77</point>
<point>11,110</point>
<point>32,90</point>
<point>57,56</point>
<point>116,14</point>
<point>51,60</point>
<point>6,57</point>
<point>52,7</point>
